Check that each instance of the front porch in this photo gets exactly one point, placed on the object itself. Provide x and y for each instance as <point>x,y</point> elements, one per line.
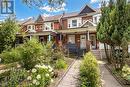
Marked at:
<point>82,38</point>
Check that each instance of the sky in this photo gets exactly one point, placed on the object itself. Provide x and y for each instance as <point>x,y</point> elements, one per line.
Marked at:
<point>23,12</point>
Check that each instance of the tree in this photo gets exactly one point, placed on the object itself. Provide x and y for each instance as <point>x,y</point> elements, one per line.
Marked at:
<point>119,21</point>
<point>8,30</point>
<point>103,27</point>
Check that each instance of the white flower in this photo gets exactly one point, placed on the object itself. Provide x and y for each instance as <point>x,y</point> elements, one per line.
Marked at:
<point>52,80</point>
<point>28,71</point>
<point>37,83</point>
<point>29,78</point>
<point>50,70</point>
<point>49,66</point>
<point>0,59</point>
<point>38,77</point>
<point>34,81</point>
<point>47,75</point>
<point>36,66</point>
<point>34,70</point>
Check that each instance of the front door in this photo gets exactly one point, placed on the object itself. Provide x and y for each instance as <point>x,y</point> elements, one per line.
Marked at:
<point>82,41</point>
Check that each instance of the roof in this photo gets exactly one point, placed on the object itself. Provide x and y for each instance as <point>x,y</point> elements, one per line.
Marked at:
<point>72,14</point>
<point>52,18</point>
<point>86,9</point>
<point>29,21</point>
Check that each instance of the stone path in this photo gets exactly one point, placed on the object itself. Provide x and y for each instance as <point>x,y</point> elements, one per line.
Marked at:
<point>107,79</point>
<point>70,79</point>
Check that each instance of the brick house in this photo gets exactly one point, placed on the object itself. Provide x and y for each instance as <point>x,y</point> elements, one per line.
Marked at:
<point>77,28</point>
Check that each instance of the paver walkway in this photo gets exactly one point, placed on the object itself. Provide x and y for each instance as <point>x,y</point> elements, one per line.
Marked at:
<point>70,79</point>
<point>107,79</point>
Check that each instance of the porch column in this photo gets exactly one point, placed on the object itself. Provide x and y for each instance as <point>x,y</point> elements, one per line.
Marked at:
<point>88,41</point>
<point>49,37</point>
<point>30,37</point>
<point>88,36</point>
<point>60,36</point>
<point>60,40</point>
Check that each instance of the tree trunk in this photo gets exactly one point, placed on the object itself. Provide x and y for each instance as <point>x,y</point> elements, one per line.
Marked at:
<point>105,47</point>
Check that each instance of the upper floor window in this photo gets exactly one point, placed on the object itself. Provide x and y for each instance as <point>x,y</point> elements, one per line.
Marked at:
<point>74,23</point>
<point>95,19</point>
<point>51,25</point>
<point>29,27</point>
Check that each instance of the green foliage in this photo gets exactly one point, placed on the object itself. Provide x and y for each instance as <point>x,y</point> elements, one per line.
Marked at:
<point>126,72</point>
<point>14,77</point>
<point>40,76</point>
<point>31,51</point>
<point>8,31</point>
<point>89,71</point>
<point>10,56</point>
<point>60,64</point>
<point>47,53</point>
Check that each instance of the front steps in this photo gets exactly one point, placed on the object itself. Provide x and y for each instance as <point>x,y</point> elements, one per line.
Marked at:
<point>97,53</point>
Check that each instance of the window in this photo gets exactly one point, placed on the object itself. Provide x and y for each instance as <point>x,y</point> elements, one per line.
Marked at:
<point>95,19</point>
<point>29,27</point>
<point>71,39</point>
<point>51,25</point>
<point>74,23</point>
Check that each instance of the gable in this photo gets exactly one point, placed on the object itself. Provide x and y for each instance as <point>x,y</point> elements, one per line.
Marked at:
<point>86,10</point>
<point>87,24</point>
<point>40,19</point>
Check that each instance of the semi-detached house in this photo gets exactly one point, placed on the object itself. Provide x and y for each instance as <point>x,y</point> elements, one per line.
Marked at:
<point>76,28</point>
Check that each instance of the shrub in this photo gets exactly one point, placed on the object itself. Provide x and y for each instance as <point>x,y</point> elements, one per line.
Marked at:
<point>10,56</point>
<point>40,76</point>
<point>89,72</point>
<point>60,64</point>
<point>126,72</point>
<point>31,52</point>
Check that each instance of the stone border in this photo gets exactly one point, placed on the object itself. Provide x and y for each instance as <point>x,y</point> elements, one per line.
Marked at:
<point>65,73</point>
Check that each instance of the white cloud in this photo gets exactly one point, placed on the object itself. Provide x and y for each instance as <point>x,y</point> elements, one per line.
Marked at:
<point>52,9</point>
<point>22,19</point>
<point>46,15</point>
<point>95,1</point>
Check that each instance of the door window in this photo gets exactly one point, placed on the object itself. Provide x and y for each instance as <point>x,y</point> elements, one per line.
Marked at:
<point>71,39</point>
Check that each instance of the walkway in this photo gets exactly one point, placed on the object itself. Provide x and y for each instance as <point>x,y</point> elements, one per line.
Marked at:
<point>107,79</point>
<point>70,79</point>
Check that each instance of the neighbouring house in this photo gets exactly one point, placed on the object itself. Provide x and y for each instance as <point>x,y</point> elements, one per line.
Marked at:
<point>77,28</point>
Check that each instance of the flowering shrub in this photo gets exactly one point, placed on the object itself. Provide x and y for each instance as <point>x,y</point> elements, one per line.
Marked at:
<point>41,76</point>
<point>126,72</point>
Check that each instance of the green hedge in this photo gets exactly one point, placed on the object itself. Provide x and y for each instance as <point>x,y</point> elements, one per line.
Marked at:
<point>89,71</point>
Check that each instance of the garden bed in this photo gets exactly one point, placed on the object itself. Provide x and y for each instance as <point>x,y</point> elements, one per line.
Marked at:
<point>117,76</point>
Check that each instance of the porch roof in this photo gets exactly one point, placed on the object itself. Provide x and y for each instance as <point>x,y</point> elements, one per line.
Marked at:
<point>36,33</point>
<point>91,29</point>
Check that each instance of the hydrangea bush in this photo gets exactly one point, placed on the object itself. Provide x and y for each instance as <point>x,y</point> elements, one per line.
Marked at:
<point>41,76</point>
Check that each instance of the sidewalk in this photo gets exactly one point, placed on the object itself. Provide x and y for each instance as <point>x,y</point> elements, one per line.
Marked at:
<point>70,79</point>
<point>107,79</point>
